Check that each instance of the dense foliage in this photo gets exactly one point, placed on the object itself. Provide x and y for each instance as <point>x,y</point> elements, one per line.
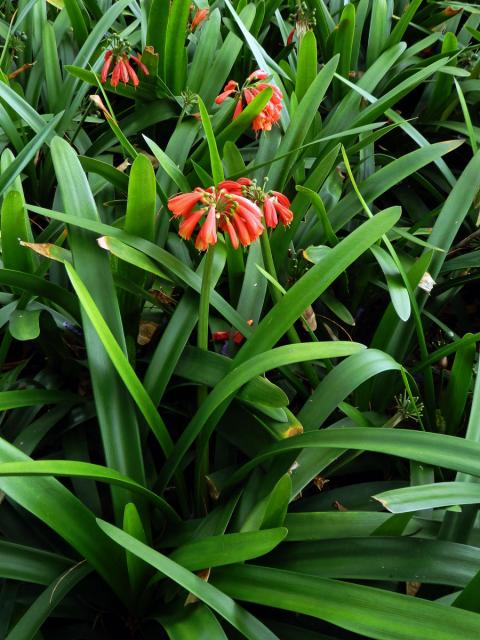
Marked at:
<point>239,247</point>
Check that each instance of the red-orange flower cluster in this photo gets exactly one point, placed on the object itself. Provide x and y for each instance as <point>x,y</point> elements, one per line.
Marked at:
<point>122,69</point>
<point>239,208</point>
<point>252,87</point>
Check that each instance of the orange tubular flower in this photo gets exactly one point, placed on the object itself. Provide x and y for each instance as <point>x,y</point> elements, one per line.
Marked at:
<point>198,18</point>
<point>281,205</point>
<point>244,96</point>
<point>115,79</point>
<point>108,59</point>
<point>228,211</point>
<point>228,89</point>
<point>271,218</point>
<point>208,233</point>
<point>238,110</point>
<point>140,65</point>
<point>184,203</point>
<point>275,205</point>
<point>189,222</point>
<point>259,74</point>
<point>235,186</point>
<point>122,69</point>
<point>131,73</point>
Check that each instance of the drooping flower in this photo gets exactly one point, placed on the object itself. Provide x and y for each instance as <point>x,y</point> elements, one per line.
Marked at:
<point>138,61</point>
<point>226,210</point>
<point>259,74</point>
<point>189,222</point>
<point>199,16</point>
<point>107,63</point>
<point>271,218</point>
<point>253,85</point>
<point>281,206</point>
<point>208,233</point>
<point>228,89</point>
<point>274,205</point>
<point>235,186</point>
<point>183,203</point>
<point>122,69</point>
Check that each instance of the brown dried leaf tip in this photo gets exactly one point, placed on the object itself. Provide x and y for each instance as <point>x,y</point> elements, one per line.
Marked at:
<point>204,575</point>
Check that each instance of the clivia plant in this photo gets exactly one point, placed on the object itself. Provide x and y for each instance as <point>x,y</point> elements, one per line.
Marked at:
<point>239,320</point>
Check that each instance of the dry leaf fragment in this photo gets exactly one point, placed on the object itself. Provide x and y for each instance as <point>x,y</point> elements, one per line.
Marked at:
<point>48,250</point>
<point>146,331</point>
<point>161,297</point>
<point>320,482</point>
<point>427,282</point>
<point>292,431</point>
<point>153,159</point>
<point>204,575</point>
<point>412,588</point>
<point>98,102</point>
<point>213,490</point>
<point>309,319</point>
<point>123,166</point>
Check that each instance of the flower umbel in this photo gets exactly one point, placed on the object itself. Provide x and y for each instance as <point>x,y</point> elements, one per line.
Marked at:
<point>239,208</point>
<point>117,59</point>
<point>252,87</point>
<point>224,208</point>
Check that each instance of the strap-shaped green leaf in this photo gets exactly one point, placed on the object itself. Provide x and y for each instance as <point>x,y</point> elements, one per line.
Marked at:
<point>175,59</point>
<point>370,612</point>
<point>115,410</point>
<point>247,624</point>
<point>59,509</point>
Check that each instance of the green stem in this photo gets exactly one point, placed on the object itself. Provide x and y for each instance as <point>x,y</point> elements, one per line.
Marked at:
<point>204,306</point>
<point>292,334</point>
<point>81,122</point>
<point>202,457</point>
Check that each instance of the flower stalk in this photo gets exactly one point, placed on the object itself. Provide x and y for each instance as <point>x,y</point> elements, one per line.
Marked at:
<point>202,460</point>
